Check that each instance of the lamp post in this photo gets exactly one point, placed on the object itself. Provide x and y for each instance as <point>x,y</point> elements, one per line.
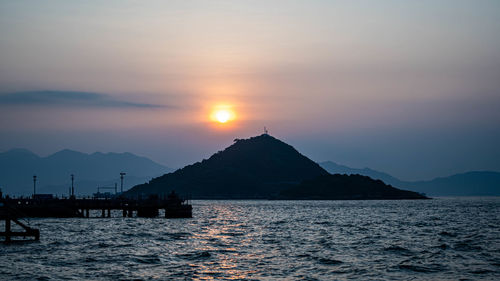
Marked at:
<point>34,185</point>
<point>72,185</point>
<point>121,179</point>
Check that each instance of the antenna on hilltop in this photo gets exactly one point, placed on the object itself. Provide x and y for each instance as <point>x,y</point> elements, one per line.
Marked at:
<point>266,132</point>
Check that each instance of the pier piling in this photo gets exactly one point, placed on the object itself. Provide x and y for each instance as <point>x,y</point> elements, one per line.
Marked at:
<point>7,230</point>
<point>10,214</point>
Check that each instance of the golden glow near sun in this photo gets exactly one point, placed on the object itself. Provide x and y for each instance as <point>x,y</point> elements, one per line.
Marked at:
<point>222,114</point>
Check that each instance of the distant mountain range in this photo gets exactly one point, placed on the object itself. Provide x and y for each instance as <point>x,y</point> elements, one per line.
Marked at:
<point>476,183</point>
<point>265,167</point>
<point>334,168</point>
<point>17,167</point>
<point>254,170</point>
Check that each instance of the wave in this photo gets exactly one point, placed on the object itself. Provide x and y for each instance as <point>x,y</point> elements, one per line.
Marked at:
<point>147,259</point>
<point>328,261</point>
<point>420,268</point>
<point>200,255</point>
<point>398,250</point>
<point>448,234</point>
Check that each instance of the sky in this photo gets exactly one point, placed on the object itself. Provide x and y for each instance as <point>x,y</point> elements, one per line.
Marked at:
<point>411,88</point>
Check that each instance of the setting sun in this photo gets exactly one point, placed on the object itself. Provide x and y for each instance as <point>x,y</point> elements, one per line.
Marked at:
<point>222,114</point>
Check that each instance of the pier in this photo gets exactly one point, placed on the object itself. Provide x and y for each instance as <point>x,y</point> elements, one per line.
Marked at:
<point>42,205</point>
<point>48,206</point>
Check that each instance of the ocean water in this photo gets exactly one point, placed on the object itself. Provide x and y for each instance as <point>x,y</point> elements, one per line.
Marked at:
<point>439,239</point>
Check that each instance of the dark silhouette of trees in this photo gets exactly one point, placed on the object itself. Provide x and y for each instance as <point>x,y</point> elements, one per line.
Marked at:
<point>346,187</point>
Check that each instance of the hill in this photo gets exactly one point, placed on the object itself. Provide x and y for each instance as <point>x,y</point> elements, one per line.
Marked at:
<point>334,168</point>
<point>265,167</point>
<point>17,167</point>
<point>250,168</point>
<point>345,187</point>
<point>475,183</point>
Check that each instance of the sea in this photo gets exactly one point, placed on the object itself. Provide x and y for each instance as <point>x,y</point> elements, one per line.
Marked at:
<point>437,239</point>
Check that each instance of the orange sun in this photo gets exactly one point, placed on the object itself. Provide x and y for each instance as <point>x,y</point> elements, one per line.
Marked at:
<point>222,114</point>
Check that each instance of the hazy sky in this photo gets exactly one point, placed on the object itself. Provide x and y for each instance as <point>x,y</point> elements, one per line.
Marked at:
<point>411,88</point>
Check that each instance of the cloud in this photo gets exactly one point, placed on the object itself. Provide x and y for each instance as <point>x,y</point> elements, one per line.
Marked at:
<point>70,98</point>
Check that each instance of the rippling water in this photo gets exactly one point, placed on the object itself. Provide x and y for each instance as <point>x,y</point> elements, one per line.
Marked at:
<point>444,238</point>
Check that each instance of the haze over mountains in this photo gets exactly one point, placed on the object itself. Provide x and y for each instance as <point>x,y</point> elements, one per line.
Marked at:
<point>17,167</point>
<point>474,183</point>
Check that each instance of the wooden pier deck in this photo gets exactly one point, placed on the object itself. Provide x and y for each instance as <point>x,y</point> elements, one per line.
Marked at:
<point>12,210</point>
<point>80,207</point>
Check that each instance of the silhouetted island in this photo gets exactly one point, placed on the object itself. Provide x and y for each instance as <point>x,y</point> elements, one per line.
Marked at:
<point>345,187</point>
<point>250,168</point>
<point>262,167</point>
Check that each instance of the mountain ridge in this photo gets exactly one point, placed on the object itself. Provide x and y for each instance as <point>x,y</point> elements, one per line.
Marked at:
<point>335,168</point>
<point>471,183</point>
<point>17,166</point>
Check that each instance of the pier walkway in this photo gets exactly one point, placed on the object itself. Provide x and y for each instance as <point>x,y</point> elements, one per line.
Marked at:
<point>12,210</point>
<point>174,206</point>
